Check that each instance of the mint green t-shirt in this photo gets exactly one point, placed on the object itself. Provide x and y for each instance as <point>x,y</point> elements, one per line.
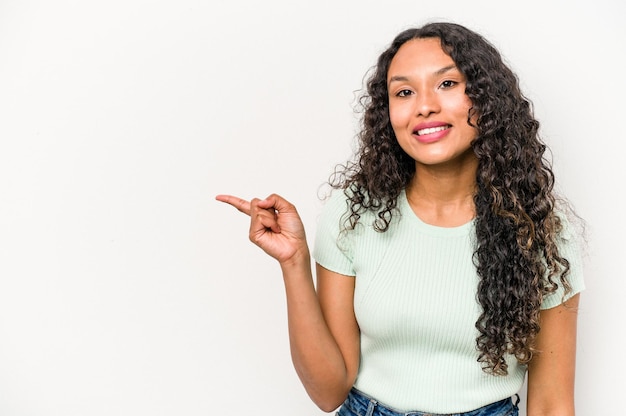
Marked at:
<point>415,303</point>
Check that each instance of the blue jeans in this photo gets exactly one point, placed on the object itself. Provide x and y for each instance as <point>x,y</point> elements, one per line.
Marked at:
<point>358,404</point>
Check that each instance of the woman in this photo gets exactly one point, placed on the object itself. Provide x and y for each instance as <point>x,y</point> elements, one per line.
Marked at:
<point>445,269</point>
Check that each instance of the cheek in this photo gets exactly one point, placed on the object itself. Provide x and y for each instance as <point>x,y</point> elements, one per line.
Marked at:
<point>461,104</point>
<point>399,115</point>
<point>461,112</point>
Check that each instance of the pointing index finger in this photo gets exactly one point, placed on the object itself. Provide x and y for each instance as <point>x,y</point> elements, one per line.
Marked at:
<point>241,204</point>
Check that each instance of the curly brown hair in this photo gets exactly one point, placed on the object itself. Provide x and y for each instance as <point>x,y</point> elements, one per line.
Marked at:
<point>516,256</point>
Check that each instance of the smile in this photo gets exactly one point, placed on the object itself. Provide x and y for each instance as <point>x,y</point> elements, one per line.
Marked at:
<point>431,130</point>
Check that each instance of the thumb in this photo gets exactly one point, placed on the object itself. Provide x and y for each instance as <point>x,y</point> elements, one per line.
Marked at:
<point>278,203</point>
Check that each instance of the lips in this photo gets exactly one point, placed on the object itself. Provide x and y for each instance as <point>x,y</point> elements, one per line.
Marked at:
<point>430,130</point>
<point>423,129</point>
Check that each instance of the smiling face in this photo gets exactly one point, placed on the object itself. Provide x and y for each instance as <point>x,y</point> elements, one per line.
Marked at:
<point>428,107</point>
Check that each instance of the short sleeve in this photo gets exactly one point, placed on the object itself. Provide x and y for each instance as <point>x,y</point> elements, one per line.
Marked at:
<point>332,248</point>
<point>570,249</point>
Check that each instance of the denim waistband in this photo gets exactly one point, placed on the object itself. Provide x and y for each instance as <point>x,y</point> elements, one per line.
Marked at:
<point>360,404</point>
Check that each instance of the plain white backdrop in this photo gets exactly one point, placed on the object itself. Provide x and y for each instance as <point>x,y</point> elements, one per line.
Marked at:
<point>125,289</point>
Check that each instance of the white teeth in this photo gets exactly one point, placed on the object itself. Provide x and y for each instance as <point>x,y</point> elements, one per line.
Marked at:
<point>431,130</point>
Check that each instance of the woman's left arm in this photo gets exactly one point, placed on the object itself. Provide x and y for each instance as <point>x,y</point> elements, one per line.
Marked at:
<point>551,370</point>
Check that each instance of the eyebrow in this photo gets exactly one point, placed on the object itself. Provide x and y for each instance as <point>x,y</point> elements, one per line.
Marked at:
<point>402,78</point>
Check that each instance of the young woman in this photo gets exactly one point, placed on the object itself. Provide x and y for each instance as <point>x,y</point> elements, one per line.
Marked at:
<point>446,268</point>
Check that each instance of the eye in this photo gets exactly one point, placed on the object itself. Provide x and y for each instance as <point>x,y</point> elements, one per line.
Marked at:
<point>448,84</point>
<point>404,93</point>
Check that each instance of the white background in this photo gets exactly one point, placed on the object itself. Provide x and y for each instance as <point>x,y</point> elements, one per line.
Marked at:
<point>126,289</point>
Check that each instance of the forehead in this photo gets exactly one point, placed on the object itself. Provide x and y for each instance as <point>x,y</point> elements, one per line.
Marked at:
<point>419,54</point>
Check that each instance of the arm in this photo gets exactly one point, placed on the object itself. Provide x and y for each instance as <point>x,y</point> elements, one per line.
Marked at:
<point>336,297</point>
<point>551,371</point>
<point>323,333</point>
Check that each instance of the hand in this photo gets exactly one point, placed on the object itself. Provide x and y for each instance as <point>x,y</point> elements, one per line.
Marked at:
<point>275,226</point>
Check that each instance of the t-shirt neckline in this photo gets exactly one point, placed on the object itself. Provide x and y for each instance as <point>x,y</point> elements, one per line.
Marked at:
<point>407,211</point>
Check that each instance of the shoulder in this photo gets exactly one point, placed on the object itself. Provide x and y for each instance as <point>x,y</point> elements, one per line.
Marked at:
<point>343,204</point>
<point>570,236</point>
<point>335,208</point>
<point>571,243</point>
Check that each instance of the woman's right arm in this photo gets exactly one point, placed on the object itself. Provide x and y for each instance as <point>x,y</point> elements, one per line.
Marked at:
<point>323,332</point>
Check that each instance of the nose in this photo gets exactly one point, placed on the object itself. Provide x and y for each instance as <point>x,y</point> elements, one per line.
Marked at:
<point>427,103</point>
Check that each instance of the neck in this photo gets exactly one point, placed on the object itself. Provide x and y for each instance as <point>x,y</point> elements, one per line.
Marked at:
<point>444,196</point>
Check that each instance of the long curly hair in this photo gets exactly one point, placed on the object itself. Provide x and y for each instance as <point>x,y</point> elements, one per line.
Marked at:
<point>516,255</point>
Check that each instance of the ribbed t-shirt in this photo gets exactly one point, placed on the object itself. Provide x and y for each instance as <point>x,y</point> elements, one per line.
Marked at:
<point>415,304</point>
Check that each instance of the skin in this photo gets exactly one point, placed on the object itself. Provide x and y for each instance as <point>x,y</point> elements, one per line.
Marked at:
<point>424,86</point>
<point>551,371</point>
<point>323,333</point>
